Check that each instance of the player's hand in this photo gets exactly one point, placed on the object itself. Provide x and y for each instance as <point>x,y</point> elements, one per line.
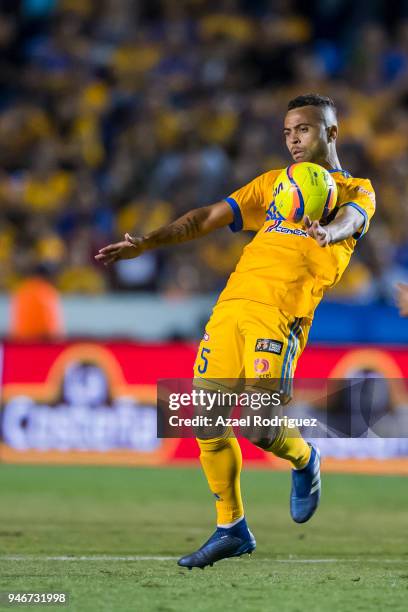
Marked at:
<point>402,299</point>
<point>316,231</point>
<point>127,249</point>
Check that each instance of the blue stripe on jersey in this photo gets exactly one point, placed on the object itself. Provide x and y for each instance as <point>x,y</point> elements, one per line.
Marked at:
<point>237,224</point>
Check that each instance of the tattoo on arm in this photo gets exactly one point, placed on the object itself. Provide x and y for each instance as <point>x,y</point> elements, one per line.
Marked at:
<point>186,228</point>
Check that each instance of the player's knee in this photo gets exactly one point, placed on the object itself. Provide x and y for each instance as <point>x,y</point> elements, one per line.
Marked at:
<point>263,443</point>
<point>264,437</point>
<point>212,444</point>
<point>205,433</point>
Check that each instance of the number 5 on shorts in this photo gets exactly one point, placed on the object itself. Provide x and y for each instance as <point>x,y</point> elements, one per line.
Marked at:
<point>202,368</point>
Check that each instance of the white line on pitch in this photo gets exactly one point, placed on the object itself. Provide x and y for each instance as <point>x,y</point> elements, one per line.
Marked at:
<point>338,560</point>
<point>87,558</point>
<point>171,558</point>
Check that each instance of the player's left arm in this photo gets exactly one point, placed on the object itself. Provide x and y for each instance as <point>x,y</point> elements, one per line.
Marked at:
<point>347,223</point>
<point>356,206</point>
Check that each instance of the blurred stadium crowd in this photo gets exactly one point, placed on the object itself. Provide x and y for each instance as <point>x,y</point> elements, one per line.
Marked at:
<point>118,115</point>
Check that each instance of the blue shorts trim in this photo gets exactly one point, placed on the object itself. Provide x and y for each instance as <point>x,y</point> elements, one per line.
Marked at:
<point>291,350</point>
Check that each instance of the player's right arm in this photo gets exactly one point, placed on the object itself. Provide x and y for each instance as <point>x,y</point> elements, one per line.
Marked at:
<point>194,224</point>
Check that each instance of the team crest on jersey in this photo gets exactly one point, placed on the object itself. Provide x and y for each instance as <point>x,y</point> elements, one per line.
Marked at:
<point>267,345</point>
<point>272,214</point>
<point>206,336</point>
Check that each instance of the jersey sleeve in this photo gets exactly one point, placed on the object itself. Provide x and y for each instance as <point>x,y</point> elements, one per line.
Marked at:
<point>248,203</point>
<point>359,193</point>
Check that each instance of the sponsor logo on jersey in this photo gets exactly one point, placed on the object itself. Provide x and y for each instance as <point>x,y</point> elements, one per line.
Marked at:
<point>261,366</point>
<point>267,345</point>
<point>206,336</point>
<point>281,229</point>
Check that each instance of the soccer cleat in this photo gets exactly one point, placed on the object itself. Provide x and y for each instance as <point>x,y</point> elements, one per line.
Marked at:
<point>306,486</point>
<point>223,544</point>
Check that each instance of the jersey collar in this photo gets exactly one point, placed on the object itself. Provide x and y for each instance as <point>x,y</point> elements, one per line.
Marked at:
<point>345,172</point>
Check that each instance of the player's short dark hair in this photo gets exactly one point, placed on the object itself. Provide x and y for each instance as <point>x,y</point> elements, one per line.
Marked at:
<point>312,99</point>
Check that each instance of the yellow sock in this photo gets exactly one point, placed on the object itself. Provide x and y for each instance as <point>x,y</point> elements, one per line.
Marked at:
<point>293,448</point>
<point>221,459</point>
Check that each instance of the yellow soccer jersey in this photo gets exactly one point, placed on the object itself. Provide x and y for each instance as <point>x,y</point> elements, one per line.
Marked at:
<point>283,266</point>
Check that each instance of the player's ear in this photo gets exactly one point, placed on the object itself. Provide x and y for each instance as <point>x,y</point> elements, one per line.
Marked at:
<point>332,132</point>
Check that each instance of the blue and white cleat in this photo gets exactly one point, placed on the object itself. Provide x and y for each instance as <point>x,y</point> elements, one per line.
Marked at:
<point>306,487</point>
<point>223,544</point>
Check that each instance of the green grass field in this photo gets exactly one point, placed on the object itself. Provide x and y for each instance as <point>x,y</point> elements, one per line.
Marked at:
<point>352,556</point>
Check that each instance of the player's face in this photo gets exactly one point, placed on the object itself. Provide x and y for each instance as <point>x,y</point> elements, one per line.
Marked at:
<point>307,134</point>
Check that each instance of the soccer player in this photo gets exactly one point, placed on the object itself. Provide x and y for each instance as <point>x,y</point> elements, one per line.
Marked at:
<point>260,324</point>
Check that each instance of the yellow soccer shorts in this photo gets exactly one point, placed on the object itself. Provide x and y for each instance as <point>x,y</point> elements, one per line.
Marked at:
<point>250,340</point>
